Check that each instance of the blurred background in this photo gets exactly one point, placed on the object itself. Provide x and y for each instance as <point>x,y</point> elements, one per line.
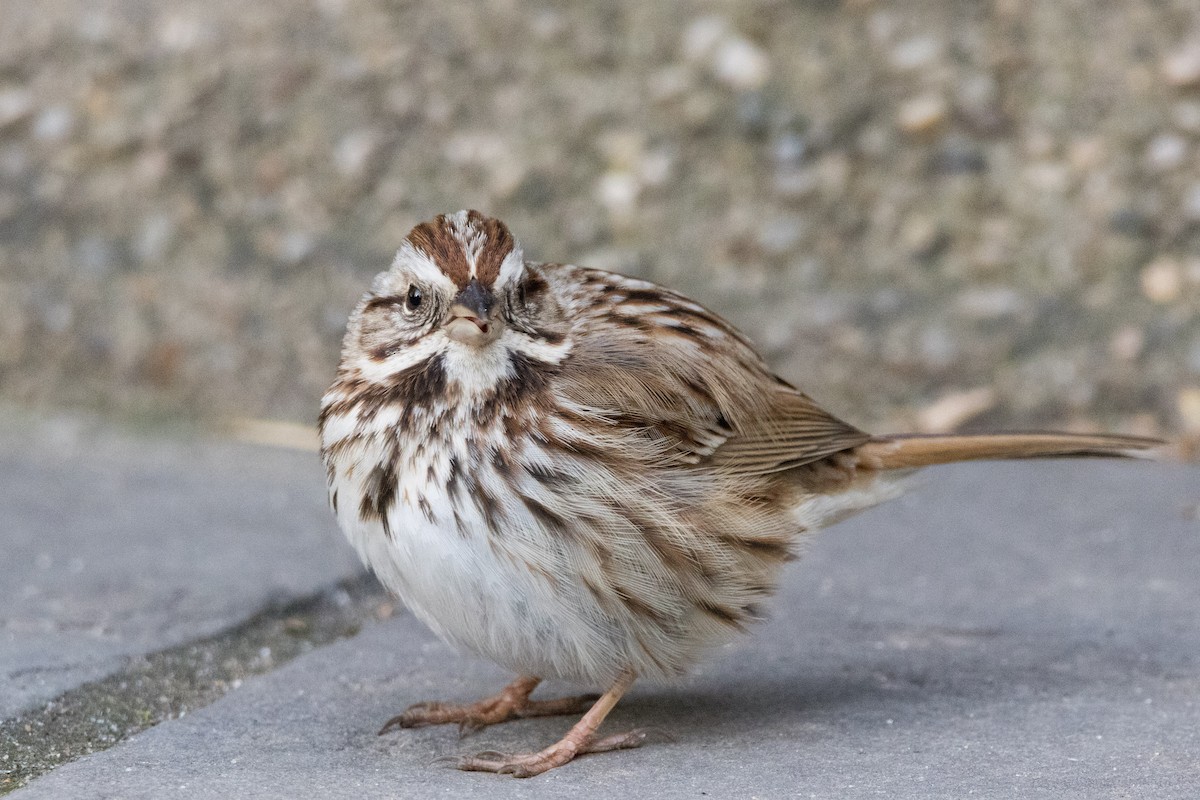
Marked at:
<point>930,214</point>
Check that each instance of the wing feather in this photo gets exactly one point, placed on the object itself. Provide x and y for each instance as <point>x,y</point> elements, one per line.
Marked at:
<point>704,398</point>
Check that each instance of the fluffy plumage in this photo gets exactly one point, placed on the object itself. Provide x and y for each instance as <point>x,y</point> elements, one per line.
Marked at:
<point>582,475</point>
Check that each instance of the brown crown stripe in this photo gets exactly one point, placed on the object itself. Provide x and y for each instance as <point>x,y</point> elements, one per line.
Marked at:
<point>436,239</point>
<point>496,247</point>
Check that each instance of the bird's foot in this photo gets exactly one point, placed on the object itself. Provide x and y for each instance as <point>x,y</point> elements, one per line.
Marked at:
<point>511,703</point>
<point>526,765</point>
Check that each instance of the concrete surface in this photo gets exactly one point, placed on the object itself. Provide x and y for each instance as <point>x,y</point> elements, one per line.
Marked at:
<point>116,545</point>
<point>1006,630</point>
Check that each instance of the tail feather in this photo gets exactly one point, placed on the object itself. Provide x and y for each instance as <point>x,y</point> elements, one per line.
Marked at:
<point>919,450</point>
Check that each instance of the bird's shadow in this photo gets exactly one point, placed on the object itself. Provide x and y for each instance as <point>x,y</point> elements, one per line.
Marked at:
<point>866,684</point>
<point>853,686</point>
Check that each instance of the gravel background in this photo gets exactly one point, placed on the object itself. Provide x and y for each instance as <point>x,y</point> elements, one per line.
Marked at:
<point>931,214</point>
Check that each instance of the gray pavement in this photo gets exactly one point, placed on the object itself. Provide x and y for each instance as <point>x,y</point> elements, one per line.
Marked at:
<point>116,545</point>
<point>1005,630</point>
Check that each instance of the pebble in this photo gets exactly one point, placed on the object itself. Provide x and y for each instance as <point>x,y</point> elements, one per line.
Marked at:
<point>922,114</point>
<point>915,53</point>
<point>1193,357</point>
<point>991,302</point>
<point>741,64</point>
<point>95,27</point>
<point>669,83</point>
<point>506,176</point>
<point>1162,280</point>
<point>1132,222</point>
<point>781,235</point>
<point>54,124</point>
<point>795,182</point>
<point>789,147</point>
<point>922,236</point>
<point>1165,152</point>
<point>10,204</point>
<point>1190,206</point>
<point>1127,343</point>
<point>950,411</point>
<point>1181,68</point>
<point>183,34</point>
<point>95,256</point>
<point>16,105</point>
<point>548,25</point>
<point>295,246</point>
<point>353,152</point>
<point>1038,143</point>
<point>1085,154</point>
<point>834,171</point>
<point>881,26</point>
<point>701,37</point>
<point>957,155</point>
<point>1185,115</point>
<point>733,59</point>
<point>977,97</point>
<point>14,161</point>
<point>55,314</point>
<point>655,167</point>
<point>752,111</point>
<point>1188,404</point>
<point>1048,176</point>
<point>155,236</point>
<point>622,149</point>
<point>618,192</point>
<point>938,347</point>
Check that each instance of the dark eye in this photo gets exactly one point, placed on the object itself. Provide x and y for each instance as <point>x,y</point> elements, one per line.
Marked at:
<point>413,301</point>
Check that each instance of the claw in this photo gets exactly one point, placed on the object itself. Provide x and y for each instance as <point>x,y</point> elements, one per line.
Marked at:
<point>395,722</point>
<point>487,755</point>
<point>470,725</point>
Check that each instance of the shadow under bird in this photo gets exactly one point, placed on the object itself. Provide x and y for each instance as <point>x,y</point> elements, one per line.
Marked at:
<point>585,476</point>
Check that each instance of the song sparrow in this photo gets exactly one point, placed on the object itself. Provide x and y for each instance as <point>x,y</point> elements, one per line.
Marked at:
<point>585,476</point>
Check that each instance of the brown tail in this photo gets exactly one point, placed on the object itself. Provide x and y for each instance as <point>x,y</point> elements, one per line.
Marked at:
<point>903,451</point>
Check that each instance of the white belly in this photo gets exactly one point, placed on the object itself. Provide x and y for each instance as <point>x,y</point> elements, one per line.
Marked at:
<point>521,595</point>
<point>517,606</point>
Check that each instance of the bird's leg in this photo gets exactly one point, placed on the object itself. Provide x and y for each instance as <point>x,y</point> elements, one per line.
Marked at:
<point>511,703</point>
<point>579,740</point>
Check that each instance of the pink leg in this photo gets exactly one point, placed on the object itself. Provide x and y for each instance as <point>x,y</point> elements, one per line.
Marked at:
<point>511,703</point>
<point>579,740</point>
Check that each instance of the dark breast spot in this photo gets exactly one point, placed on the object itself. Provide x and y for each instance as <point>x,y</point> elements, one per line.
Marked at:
<point>416,389</point>
<point>379,490</point>
<point>544,515</point>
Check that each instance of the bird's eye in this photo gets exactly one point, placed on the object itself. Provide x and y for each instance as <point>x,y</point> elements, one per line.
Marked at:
<point>413,301</point>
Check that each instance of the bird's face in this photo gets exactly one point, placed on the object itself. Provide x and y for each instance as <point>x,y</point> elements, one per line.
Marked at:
<point>459,291</point>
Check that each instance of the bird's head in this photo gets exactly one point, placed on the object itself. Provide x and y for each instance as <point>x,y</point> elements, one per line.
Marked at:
<point>459,291</point>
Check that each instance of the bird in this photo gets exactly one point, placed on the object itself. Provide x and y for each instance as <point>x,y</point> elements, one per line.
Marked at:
<point>586,476</point>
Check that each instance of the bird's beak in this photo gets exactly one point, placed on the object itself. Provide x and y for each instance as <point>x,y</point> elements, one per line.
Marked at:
<point>472,319</point>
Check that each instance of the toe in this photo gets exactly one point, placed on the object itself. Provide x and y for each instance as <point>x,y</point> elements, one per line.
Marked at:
<point>393,723</point>
<point>618,741</point>
<point>487,761</point>
<point>470,725</point>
